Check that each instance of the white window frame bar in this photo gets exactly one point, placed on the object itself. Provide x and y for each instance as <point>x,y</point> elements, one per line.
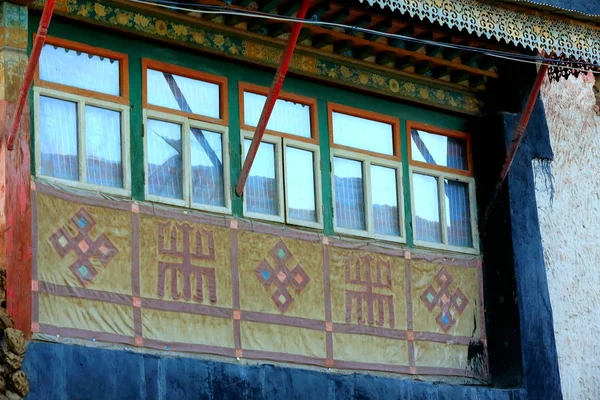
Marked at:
<point>81,102</point>
<point>187,123</point>
<point>315,149</point>
<point>275,140</point>
<point>441,176</point>
<point>367,161</point>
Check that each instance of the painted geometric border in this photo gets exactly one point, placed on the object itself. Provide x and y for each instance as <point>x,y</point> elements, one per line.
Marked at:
<point>328,326</point>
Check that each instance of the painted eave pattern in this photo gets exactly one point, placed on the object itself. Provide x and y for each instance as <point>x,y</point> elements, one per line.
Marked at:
<point>536,30</point>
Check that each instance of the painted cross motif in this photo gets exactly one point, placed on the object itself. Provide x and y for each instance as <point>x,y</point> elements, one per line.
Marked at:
<point>281,276</point>
<point>83,246</point>
<point>448,303</point>
<point>195,244</point>
<point>370,273</point>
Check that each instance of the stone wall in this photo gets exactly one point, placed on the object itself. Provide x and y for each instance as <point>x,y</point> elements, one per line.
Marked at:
<point>568,197</point>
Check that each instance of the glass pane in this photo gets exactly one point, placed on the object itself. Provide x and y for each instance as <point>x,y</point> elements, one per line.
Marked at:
<point>287,116</point>
<point>427,210</point>
<point>349,194</point>
<point>458,214</point>
<point>165,167</point>
<point>103,147</point>
<point>300,184</point>
<point>384,192</point>
<point>183,94</point>
<point>439,150</point>
<point>207,167</point>
<point>363,134</point>
<point>78,69</point>
<point>261,188</point>
<point>58,138</point>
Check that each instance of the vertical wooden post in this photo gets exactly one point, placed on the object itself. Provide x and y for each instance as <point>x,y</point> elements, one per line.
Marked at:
<point>15,174</point>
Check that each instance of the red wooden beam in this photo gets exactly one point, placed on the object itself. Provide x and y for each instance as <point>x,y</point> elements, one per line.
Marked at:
<point>272,98</point>
<point>516,143</point>
<point>32,64</point>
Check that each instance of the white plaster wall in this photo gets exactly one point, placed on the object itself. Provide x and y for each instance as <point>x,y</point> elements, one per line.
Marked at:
<point>570,227</point>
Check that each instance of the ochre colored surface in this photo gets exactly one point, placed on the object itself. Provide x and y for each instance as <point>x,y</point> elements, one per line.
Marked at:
<point>349,310</point>
<point>363,348</point>
<point>95,316</point>
<point>283,339</point>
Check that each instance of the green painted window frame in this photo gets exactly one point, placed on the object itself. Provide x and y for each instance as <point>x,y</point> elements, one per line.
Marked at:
<point>138,49</point>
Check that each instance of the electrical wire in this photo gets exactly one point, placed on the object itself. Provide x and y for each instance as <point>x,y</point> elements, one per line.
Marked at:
<point>209,9</point>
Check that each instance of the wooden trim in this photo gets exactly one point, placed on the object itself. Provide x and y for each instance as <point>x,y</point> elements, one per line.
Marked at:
<point>221,81</point>
<point>295,98</point>
<point>373,116</point>
<point>410,125</point>
<point>123,98</point>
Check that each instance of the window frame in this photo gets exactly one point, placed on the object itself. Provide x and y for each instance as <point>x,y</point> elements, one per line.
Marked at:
<point>221,81</point>
<point>442,173</point>
<point>186,123</point>
<point>123,97</point>
<point>81,102</point>
<point>369,115</point>
<point>282,141</point>
<point>291,97</point>
<point>368,158</point>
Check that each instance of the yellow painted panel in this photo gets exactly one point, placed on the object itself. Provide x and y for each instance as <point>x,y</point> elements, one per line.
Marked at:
<point>97,316</point>
<point>217,259</point>
<point>465,279</point>
<point>187,328</point>
<point>53,214</point>
<point>283,339</point>
<point>387,278</point>
<point>441,355</point>
<point>255,248</point>
<point>369,349</point>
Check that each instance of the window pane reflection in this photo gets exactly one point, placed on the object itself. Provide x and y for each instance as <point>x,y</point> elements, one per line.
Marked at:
<point>184,94</point>
<point>79,69</point>
<point>103,147</point>
<point>362,133</point>
<point>427,210</point>
<point>164,159</point>
<point>261,188</point>
<point>349,194</point>
<point>458,214</point>
<point>207,167</point>
<point>384,193</point>
<point>439,150</point>
<point>287,116</point>
<point>58,138</point>
<point>300,184</point>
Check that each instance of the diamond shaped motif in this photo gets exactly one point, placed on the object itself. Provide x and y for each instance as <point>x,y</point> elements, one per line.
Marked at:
<point>83,246</point>
<point>281,276</point>
<point>445,300</point>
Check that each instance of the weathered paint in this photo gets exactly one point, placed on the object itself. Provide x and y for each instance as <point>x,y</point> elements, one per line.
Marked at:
<point>568,193</point>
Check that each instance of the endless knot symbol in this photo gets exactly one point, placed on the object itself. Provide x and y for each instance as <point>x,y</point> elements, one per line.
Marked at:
<point>371,273</point>
<point>281,276</point>
<point>185,268</point>
<point>446,301</point>
<point>83,246</point>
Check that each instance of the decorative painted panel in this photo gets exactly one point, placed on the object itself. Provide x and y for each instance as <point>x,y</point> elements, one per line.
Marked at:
<point>175,280</point>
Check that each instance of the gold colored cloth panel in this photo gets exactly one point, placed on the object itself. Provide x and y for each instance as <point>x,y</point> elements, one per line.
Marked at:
<point>535,30</point>
<point>160,278</point>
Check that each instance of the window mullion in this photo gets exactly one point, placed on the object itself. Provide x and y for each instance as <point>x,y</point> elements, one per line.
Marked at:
<point>368,200</point>
<point>187,162</point>
<point>81,142</point>
<point>442,200</point>
<point>279,172</point>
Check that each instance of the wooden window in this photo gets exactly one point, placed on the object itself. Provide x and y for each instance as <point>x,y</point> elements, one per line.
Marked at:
<point>366,173</point>
<point>284,184</point>
<point>186,147</point>
<point>443,188</point>
<point>82,117</point>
